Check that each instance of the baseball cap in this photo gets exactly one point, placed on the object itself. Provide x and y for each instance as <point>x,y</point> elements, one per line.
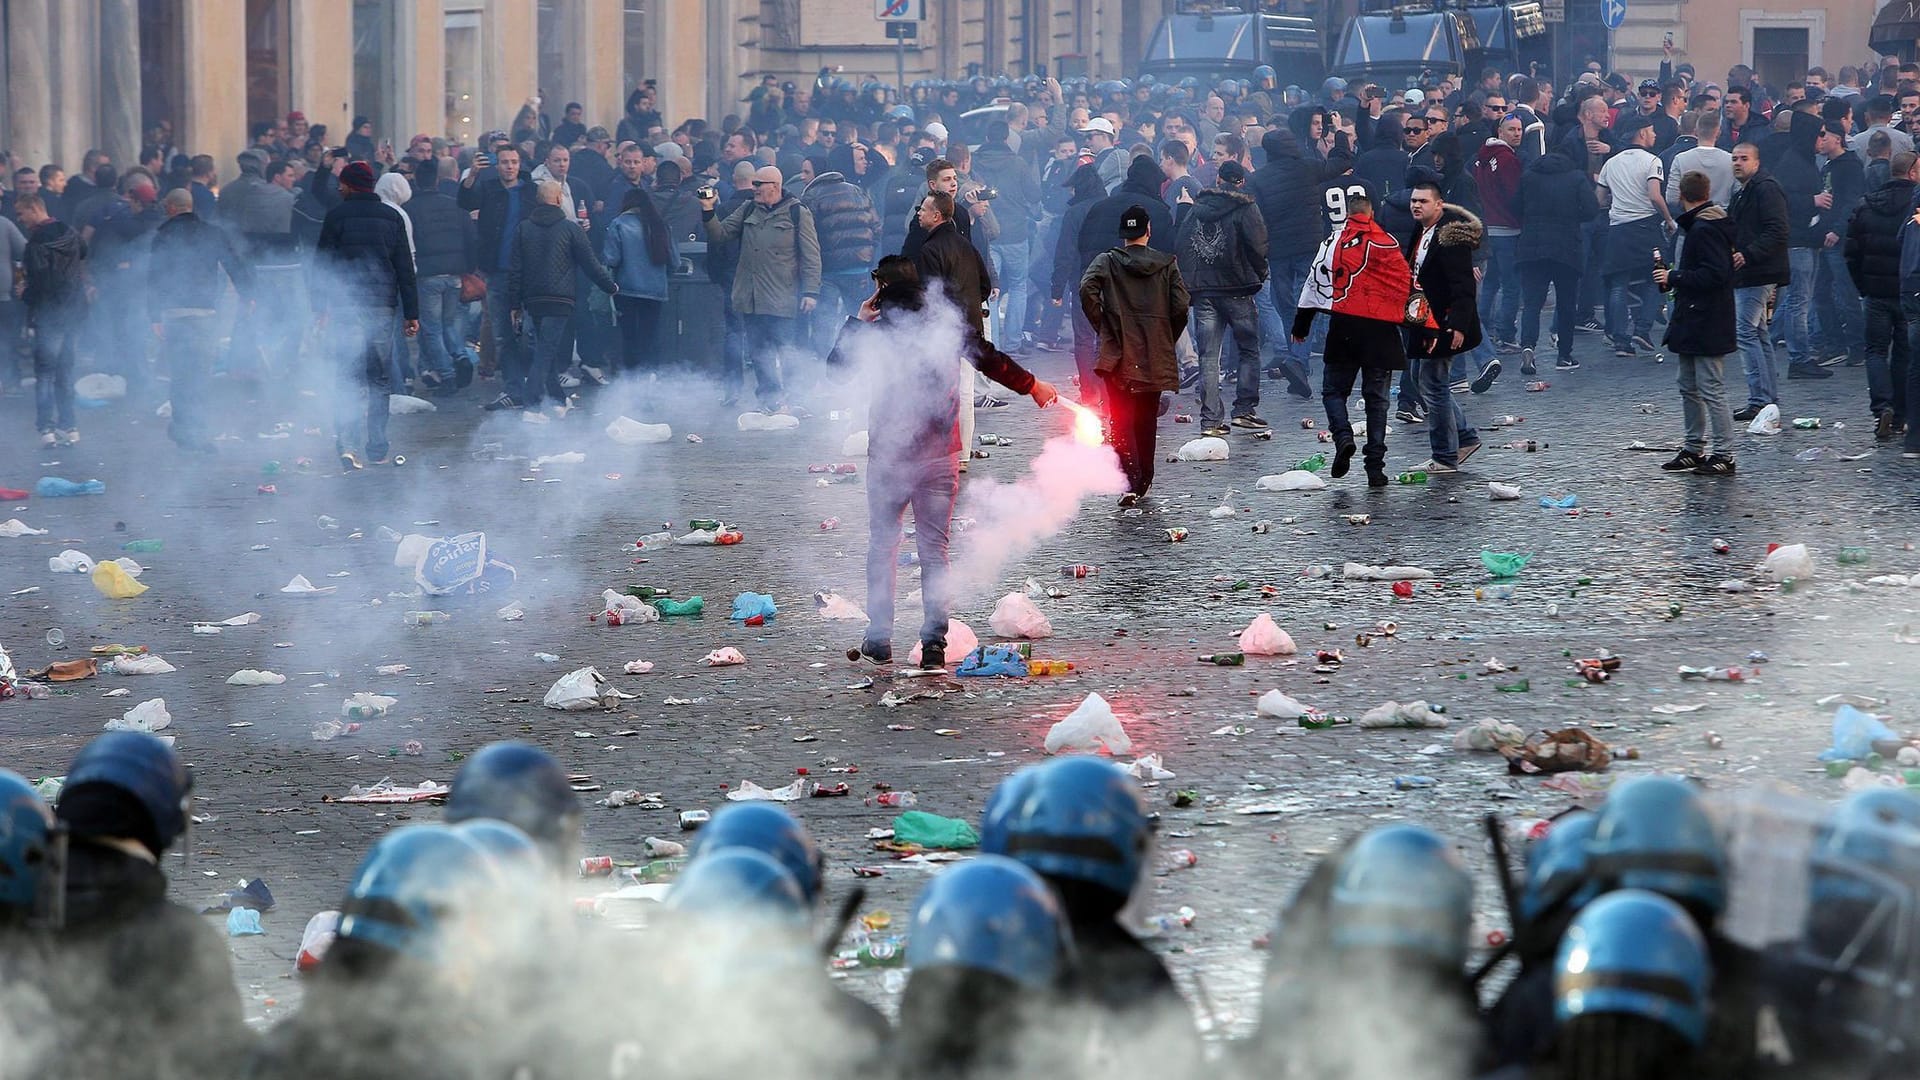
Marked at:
<point>1414,97</point>
<point>937,129</point>
<point>296,115</point>
<point>1100,124</point>
<point>669,151</point>
<point>599,134</point>
<point>1133,223</point>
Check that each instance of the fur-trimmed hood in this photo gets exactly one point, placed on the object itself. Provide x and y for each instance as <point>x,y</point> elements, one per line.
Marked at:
<point>1458,225</point>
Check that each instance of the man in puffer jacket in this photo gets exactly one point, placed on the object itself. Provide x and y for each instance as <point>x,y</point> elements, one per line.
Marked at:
<point>849,232</point>
<point>1221,244</point>
<point>363,270</point>
<point>1287,189</point>
<point>548,247</point>
<point>1873,250</point>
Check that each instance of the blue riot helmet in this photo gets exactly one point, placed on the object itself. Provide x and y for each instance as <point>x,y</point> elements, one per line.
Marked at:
<point>1402,889</point>
<point>127,784</point>
<point>1147,80</point>
<point>1557,865</point>
<point>413,890</point>
<point>523,786</point>
<point>1072,820</point>
<point>738,883</point>
<point>763,827</point>
<point>990,915</point>
<point>901,113</point>
<point>1654,834</point>
<point>1263,75</point>
<point>30,853</point>
<point>1189,84</point>
<point>1635,953</point>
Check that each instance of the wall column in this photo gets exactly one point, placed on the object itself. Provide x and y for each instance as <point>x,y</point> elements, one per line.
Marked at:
<point>118,75</point>
<point>320,45</point>
<point>213,52</point>
<point>595,35</point>
<point>512,60</point>
<point>75,84</point>
<point>29,82</point>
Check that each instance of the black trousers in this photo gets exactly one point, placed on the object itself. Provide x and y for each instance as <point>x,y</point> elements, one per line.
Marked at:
<point>1131,419</point>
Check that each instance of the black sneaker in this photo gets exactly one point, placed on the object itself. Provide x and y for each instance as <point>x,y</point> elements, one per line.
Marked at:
<point>1484,382</point>
<point>1566,363</point>
<point>1589,326</point>
<point>1129,501</point>
<point>1643,343</point>
<point>1526,362</point>
<point>873,652</point>
<point>1342,460</point>
<point>1407,416</point>
<point>1883,426</point>
<point>504,401</point>
<point>1795,371</point>
<point>1624,352</point>
<point>988,401</point>
<point>1684,461</point>
<point>1715,466</point>
<point>1189,376</point>
<point>1743,415</point>
<point>1250,422</point>
<point>1376,476</point>
<point>1216,430</point>
<point>934,657</point>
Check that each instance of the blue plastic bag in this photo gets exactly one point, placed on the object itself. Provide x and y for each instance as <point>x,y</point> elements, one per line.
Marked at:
<point>53,487</point>
<point>1564,502</point>
<point>243,922</point>
<point>988,660</point>
<point>1854,733</point>
<point>749,604</point>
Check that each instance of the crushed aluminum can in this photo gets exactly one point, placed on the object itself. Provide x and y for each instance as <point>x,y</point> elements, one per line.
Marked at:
<point>596,866</point>
<point>690,820</point>
<point>1307,424</point>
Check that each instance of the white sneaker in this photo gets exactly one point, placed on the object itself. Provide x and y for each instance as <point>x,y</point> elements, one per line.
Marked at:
<point>568,381</point>
<point>1434,468</point>
<point>48,438</point>
<point>69,437</point>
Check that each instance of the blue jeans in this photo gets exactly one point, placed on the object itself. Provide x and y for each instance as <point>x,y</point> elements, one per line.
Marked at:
<point>1008,311</point>
<point>1447,426</point>
<point>1500,292</point>
<point>1289,276</point>
<point>1336,385</point>
<point>1273,325</point>
<point>552,352</point>
<point>186,343</point>
<point>929,486</point>
<point>363,351</point>
<point>509,341</point>
<point>1756,347</point>
<point>1841,322</point>
<point>1213,316</point>
<point>1795,305</point>
<point>441,321</point>
<point>54,338</point>
<point>1624,319</point>
<point>1889,355</point>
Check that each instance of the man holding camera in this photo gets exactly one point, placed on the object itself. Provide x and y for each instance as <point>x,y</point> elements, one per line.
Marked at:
<point>778,277</point>
<point>494,187</point>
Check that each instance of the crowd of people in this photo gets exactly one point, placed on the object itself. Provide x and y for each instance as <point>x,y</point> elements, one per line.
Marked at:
<point>456,950</point>
<point>1480,181</point>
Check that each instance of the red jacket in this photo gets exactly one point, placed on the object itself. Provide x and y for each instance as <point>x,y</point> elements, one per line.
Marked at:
<point>1371,279</point>
<point>1496,170</point>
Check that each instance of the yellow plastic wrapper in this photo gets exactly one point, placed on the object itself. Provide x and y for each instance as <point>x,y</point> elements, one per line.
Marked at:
<point>113,581</point>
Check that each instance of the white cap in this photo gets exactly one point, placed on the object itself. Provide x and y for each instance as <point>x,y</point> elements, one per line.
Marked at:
<point>1414,97</point>
<point>1100,124</point>
<point>936,129</point>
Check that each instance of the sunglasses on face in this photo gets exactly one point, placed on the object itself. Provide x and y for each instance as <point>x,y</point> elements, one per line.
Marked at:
<point>766,183</point>
<point>1412,130</point>
<point>1649,93</point>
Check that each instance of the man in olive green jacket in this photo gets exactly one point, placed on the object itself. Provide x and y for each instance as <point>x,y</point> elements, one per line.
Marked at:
<point>778,280</point>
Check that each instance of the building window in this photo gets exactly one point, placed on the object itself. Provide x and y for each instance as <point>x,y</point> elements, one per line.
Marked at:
<point>633,54</point>
<point>1779,53</point>
<point>466,63</point>
<point>267,71</point>
<point>553,57</point>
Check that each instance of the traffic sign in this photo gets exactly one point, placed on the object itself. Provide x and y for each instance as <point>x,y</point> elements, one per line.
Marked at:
<point>1613,13</point>
<point>1553,11</point>
<point>903,31</point>
<point>892,10</point>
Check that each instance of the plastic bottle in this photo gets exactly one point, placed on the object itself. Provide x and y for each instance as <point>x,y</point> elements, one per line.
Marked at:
<point>386,535</point>
<point>1231,659</point>
<point>326,522</point>
<point>143,547</point>
<point>729,537</point>
<point>1415,477</point>
<point>1181,859</point>
<point>1493,592</point>
<point>1321,722</point>
<point>692,605</point>
<point>1409,783</point>
<point>1049,667</point>
<point>1806,423</point>
<point>648,592</point>
<point>1079,570</point>
<point>654,540</point>
<point>1713,674</point>
<point>1520,687</point>
<point>1853,556</point>
<point>703,525</point>
<point>425,618</point>
<point>1313,464</point>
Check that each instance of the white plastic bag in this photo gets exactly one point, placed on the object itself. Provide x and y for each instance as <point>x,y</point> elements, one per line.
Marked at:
<point>855,445</point>
<point>252,677</point>
<point>1150,767</point>
<point>1788,561</point>
<point>748,791</point>
<point>836,608</point>
<point>1765,422</point>
<point>1263,637</point>
<point>1206,448</point>
<point>580,689</point>
<point>363,704</point>
<point>568,457</point>
<point>638,667</point>
<point>14,528</point>
<point>724,656</point>
<point>961,640</point>
<point>1414,714</point>
<point>407,405</point>
<point>1500,492</point>
<point>1291,480</point>
<point>1354,571</point>
<point>1091,728</point>
<point>136,665</point>
<point>316,939</point>
<point>1488,735</point>
<point>630,432</point>
<point>1278,705</point>
<point>300,586</point>
<point>1018,617</point>
<point>132,568</point>
<point>71,562</point>
<point>632,609</point>
<point>406,555</point>
<point>513,612</point>
<point>99,387</point>
<point>149,715</point>
<point>759,421</point>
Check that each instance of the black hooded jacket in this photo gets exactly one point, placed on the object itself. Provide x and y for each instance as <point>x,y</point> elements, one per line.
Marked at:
<point>1221,243</point>
<point>56,269</point>
<point>1286,189</point>
<point>1068,262</point>
<point>1799,179</point>
<point>1101,229</point>
<point>1762,224</point>
<point>1554,200</point>
<point>1873,240</point>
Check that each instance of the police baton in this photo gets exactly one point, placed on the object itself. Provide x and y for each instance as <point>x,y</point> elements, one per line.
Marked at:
<point>1503,867</point>
<point>842,918</point>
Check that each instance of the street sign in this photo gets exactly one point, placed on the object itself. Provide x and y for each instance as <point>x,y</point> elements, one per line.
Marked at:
<point>1613,13</point>
<point>902,31</point>
<point>1553,11</point>
<point>893,10</point>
